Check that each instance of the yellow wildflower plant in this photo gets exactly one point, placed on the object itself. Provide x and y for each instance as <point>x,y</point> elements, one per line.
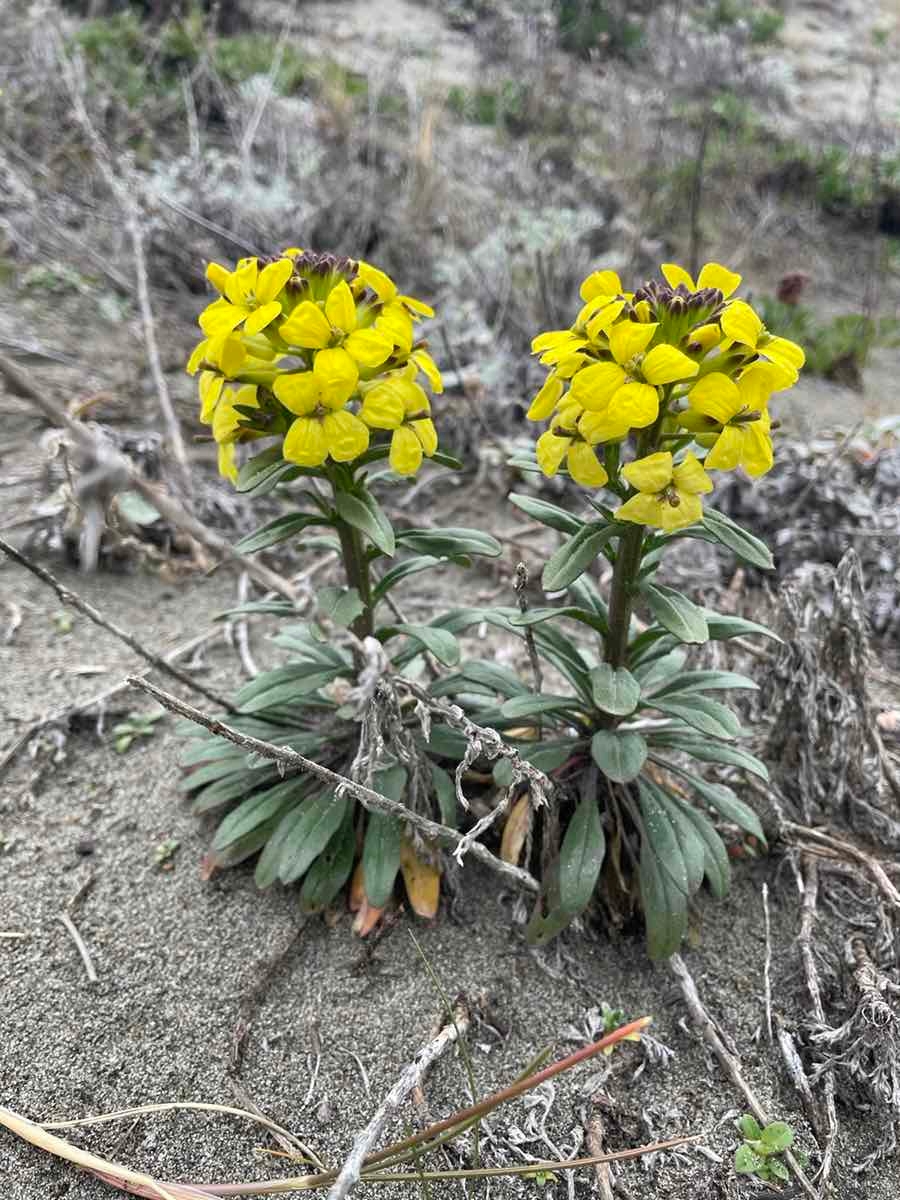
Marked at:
<point>647,394</point>
<point>313,333</point>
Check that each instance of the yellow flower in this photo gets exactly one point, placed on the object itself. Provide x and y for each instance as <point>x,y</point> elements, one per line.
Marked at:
<point>399,404</point>
<point>668,496</point>
<point>565,442</point>
<point>314,327</point>
<point>625,391</point>
<point>592,324</point>
<point>732,417</point>
<point>248,296</point>
<point>387,291</point>
<point>742,325</point>
<point>324,428</point>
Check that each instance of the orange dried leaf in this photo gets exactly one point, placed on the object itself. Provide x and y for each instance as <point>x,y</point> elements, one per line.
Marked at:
<point>515,831</point>
<point>422,880</point>
<point>367,918</point>
<point>357,895</point>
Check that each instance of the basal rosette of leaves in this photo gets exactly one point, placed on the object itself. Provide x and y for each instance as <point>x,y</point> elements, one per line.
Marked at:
<point>647,394</point>
<point>318,357</point>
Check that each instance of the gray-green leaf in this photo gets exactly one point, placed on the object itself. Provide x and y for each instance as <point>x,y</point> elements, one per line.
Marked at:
<point>676,613</point>
<point>615,690</point>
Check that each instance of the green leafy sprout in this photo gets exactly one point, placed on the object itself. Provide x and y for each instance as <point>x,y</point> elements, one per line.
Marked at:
<point>761,1152</point>
<point>136,725</point>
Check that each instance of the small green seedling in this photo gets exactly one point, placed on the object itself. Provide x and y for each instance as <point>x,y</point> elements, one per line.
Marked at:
<point>164,853</point>
<point>134,726</point>
<point>760,1152</point>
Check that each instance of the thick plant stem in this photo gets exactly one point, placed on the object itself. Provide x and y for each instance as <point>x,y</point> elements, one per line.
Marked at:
<point>621,599</point>
<point>356,567</point>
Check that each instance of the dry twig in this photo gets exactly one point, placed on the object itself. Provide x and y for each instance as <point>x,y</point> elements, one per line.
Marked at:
<point>79,945</point>
<point>366,796</point>
<point>728,1061</point>
<point>67,596</point>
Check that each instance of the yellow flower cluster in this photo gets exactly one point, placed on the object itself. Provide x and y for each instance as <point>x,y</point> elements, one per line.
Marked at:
<point>675,363</point>
<point>318,350</point>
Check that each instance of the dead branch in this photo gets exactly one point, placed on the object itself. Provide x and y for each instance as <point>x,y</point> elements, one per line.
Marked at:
<point>410,1079</point>
<point>809,839</point>
<point>366,796</point>
<point>728,1061</point>
<point>79,945</point>
<point>67,596</point>
<point>122,474</point>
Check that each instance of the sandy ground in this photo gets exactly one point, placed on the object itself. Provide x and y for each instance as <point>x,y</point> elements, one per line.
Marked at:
<point>177,956</point>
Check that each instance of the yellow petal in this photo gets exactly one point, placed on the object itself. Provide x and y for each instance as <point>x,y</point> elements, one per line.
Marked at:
<point>227,464</point>
<point>382,406</point>
<point>426,433</point>
<point>220,317</point>
<point>304,443</point>
<point>629,338</point>
<point>218,276</point>
<point>567,367</point>
<point>715,396</point>
<point>368,347</point>
<point>714,275</point>
<point>307,326</point>
<point>225,418</point>
<point>729,449</point>
<point>635,405</point>
<point>673,275</point>
<point>406,451</point>
<point>758,381</point>
<point>429,369</point>
<point>272,279</point>
<point>705,336</point>
<point>690,478</point>
<point>602,427</point>
<point>642,311</point>
<point>419,307</point>
<point>758,457</point>
<point>643,509</point>
<point>395,323</point>
<point>741,324</point>
<point>380,283</point>
<point>545,401</point>
<point>600,283</point>
<point>651,474</point>
<point>551,339</point>
<point>340,308</point>
<point>584,466</point>
<point>292,252</point>
<point>228,352</point>
<point>593,387</point>
<point>562,351</point>
<point>604,318</point>
<point>242,281</point>
<point>665,364</point>
<point>688,511</point>
<point>299,393</point>
<point>784,353</point>
<point>262,317</point>
<point>337,376</point>
<point>198,355</point>
<point>210,387</point>
<point>345,435</point>
<point>550,450</point>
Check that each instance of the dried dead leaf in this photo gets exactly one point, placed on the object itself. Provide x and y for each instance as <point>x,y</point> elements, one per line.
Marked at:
<point>516,830</point>
<point>422,880</point>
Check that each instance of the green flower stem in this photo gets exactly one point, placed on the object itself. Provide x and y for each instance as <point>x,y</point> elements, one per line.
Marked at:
<point>356,567</point>
<point>621,599</point>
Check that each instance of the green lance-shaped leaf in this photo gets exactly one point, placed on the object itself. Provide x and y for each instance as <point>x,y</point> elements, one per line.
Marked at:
<point>655,675</point>
<point>445,793</point>
<point>707,681</point>
<point>663,901</point>
<point>729,534</point>
<point>548,514</point>
<point>615,690</point>
<point>716,864</point>
<point>276,531</point>
<point>700,712</point>
<point>722,627</point>
<point>619,754</point>
<point>264,471</point>
<point>331,870</point>
<point>727,804</point>
<point>676,613</point>
<point>531,705</point>
<point>581,856</point>
<point>410,566</point>
<point>381,849</point>
<point>449,542</point>
<point>707,750</point>
<point>440,642</point>
<point>233,787</point>
<point>257,810</point>
<point>342,605</point>
<point>576,555</point>
<point>661,835</point>
<point>689,840</point>
<point>537,616</point>
<point>363,512</point>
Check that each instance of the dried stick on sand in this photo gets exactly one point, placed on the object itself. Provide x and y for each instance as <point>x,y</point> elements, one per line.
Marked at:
<point>728,1061</point>
<point>366,796</point>
<point>410,1079</point>
<point>67,596</point>
<point>123,475</point>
